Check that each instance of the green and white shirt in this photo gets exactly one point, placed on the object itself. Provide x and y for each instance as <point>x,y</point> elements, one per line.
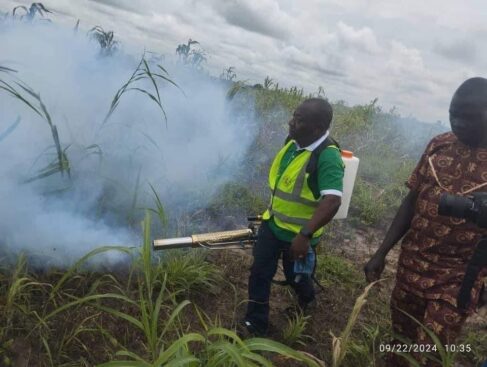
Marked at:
<point>330,178</point>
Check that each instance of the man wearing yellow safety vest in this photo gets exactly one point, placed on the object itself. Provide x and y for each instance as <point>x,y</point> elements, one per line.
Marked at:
<point>306,182</point>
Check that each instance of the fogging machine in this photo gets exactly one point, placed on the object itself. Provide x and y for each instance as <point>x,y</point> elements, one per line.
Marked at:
<point>235,239</point>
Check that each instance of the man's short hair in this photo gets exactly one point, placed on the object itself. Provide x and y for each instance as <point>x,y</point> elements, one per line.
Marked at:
<point>319,112</point>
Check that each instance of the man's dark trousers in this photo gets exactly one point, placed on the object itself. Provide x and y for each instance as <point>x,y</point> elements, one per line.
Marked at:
<point>267,252</point>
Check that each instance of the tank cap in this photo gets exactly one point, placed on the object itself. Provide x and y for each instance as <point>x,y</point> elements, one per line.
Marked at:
<point>347,154</point>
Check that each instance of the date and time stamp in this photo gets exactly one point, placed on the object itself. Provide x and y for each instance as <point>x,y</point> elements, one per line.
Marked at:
<point>423,348</point>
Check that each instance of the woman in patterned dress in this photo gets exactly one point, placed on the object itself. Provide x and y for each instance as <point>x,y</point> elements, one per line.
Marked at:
<point>436,249</point>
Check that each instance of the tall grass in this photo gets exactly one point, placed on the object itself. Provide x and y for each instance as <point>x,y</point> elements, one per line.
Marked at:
<point>141,73</point>
<point>153,311</point>
<point>21,303</point>
<point>332,270</point>
<point>31,11</point>
<point>342,342</point>
<point>150,310</point>
<point>294,331</point>
<point>362,350</point>
<point>221,346</point>
<point>159,210</point>
<point>17,292</point>
<point>106,39</point>
<point>189,271</point>
<point>33,100</point>
<point>189,55</point>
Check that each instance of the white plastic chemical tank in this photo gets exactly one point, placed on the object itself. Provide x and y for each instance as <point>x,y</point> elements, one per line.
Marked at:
<point>351,168</point>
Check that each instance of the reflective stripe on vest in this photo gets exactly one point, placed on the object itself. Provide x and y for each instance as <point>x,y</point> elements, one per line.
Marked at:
<point>292,201</point>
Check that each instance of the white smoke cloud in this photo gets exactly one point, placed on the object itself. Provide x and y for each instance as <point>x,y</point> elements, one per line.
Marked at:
<point>186,158</point>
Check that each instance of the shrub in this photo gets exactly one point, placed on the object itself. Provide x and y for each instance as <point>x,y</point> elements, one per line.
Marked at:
<point>368,202</point>
<point>333,270</point>
<point>293,332</point>
<point>237,197</point>
<point>188,271</point>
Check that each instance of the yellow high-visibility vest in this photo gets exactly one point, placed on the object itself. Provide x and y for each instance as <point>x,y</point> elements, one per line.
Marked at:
<point>292,201</point>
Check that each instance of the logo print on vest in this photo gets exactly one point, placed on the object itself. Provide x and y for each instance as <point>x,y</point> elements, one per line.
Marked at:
<point>287,181</point>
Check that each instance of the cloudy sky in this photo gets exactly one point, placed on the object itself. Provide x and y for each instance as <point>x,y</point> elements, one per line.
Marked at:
<point>409,54</point>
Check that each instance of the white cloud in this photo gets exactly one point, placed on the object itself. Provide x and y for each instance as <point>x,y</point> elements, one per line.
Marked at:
<point>264,17</point>
<point>461,50</point>
<point>361,39</point>
<point>411,52</point>
<point>405,61</point>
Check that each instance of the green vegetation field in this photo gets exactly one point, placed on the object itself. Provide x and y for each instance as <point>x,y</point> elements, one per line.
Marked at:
<point>181,308</point>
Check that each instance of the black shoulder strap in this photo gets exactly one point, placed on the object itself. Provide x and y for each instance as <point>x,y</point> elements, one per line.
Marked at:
<point>312,167</point>
<point>315,155</point>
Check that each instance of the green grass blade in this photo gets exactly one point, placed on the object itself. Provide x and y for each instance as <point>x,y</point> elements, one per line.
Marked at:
<point>125,364</point>
<point>149,74</point>
<point>232,353</point>
<point>9,129</point>
<point>146,255</point>
<point>176,346</point>
<point>82,260</point>
<point>151,96</point>
<point>155,316</point>
<point>133,206</point>
<point>17,95</point>
<point>160,211</point>
<point>267,345</point>
<point>229,334</point>
<point>28,90</point>
<point>7,70</point>
<point>127,353</point>
<point>151,140</point>
<point>123,316</point>
<point>182,362</point>
<point>86,299</point>
<point>48,350</point>
<point>172,317</point>
<point>257,358</point>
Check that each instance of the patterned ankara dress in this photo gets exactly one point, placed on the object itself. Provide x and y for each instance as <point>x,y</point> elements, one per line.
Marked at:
<point>436,249</point>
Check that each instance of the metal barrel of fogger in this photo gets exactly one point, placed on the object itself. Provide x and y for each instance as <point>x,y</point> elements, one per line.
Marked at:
<point>237,239</point>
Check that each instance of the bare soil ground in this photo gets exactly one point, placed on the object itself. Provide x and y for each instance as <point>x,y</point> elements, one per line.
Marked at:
<point>334,305</point>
